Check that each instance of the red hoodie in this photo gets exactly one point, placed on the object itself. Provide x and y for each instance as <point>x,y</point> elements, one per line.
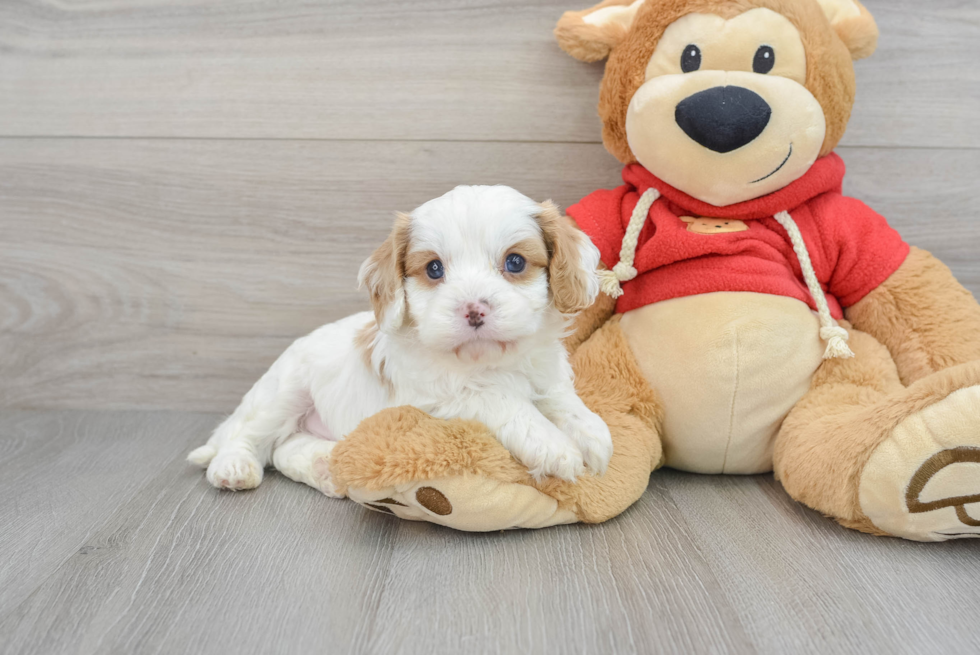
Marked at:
<point>853,249</point>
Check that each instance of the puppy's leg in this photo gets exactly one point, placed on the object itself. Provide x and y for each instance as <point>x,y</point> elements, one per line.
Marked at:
<point>270,412</point>
<point>530,437</point>
<point>586,430</point>
<point>306,459</point>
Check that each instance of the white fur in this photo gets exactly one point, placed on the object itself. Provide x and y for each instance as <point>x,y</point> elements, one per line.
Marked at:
<point>512,373</point>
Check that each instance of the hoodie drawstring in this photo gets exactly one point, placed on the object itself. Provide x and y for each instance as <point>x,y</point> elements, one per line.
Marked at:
<point>835,336</point>
<point>624,271</point>
<point>611,281</point>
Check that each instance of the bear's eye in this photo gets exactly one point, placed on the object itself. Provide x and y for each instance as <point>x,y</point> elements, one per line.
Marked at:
<point>765,59</point>
<point>435,270</point>
<point>691,59</point>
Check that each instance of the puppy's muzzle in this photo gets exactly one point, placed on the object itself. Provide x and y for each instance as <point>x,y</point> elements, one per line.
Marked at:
<point>475,313</point>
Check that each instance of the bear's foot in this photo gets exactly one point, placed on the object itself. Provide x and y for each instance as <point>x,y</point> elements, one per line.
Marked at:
<point>403,462</point>
<point>469,503</point>
<point>923,482</point>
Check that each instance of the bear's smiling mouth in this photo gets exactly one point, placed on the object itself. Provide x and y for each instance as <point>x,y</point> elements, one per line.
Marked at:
<point>778,169</point>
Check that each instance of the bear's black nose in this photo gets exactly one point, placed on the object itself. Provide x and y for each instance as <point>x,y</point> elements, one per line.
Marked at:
<point>724,118</point>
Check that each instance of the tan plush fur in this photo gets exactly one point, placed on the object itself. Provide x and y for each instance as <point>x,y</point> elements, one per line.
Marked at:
<point>860,34</point>
<point>825,441</point>
<point>590,320</point>
<point>852,406</point>
<point>589,42</point>
<point>830,73</point>
<point>405,445</point>
<point>928,321</point>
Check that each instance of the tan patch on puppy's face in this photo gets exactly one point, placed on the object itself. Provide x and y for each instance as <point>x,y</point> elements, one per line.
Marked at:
<point>713,225</point>
<point>535,255</point>
<point>417,265</point>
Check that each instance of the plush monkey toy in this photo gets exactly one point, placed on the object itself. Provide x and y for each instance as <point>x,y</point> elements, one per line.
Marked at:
<point>762,321</point>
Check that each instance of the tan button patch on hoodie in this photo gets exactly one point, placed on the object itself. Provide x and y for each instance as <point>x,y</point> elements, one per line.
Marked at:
<point>713,225</point>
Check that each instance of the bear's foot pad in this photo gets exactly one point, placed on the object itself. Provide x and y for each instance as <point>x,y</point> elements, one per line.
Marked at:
<point>923,482</point>
<point>469,502</point>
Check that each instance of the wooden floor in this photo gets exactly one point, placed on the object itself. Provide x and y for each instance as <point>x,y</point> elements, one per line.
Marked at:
<point>112,544</point>
<point>187,186</point>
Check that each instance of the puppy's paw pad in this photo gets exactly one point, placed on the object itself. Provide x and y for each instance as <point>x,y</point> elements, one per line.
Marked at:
<point>591,435</point>
<point>322,478</point>
<point>235,471</point>
<point>563,462</point>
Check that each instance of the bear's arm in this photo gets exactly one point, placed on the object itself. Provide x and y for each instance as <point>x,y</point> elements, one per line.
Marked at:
<point>925,317</point>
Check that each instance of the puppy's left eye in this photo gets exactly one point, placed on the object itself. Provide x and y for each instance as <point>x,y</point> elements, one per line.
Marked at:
<point>765,59</point>
<point>435,270</point>
<point>515,263</point>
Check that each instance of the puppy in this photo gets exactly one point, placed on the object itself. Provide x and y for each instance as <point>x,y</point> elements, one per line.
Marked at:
<point>472,294</point>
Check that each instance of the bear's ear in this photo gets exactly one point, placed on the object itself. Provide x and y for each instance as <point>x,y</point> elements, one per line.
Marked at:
<point>854,25</point>
<point>590,35</point>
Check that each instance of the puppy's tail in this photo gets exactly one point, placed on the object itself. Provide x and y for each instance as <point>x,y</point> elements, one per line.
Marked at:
<point>202,456</point>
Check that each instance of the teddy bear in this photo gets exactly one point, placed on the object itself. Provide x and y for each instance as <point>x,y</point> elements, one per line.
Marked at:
<point>754,319</point>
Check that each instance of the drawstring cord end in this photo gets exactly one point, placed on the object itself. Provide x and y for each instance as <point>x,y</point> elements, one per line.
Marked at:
<point>836,338</point>
<point>609,284</point>
<point>609,281</point>
<point>624,271</point>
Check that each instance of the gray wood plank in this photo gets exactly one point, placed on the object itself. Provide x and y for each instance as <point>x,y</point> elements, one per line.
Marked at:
<point>183,568</point>
<point>62,474</point>
<point>455,69</point>
<point>699,564</point>
<point>803,584</point>
<point>169,274</point>
<point>635,585</point>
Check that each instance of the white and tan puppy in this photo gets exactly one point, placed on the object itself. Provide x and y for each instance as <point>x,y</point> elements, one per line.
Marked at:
<point>472,294</point>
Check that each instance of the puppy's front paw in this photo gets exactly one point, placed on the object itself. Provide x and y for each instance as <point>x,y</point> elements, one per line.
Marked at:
<point>546,451</point>
<point>591,434</point>
<point>322,478</point>
<point>560,460</point>
<point>235,470</point>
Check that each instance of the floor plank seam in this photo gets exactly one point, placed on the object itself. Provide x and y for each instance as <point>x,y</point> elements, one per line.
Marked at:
<point>557,142</point>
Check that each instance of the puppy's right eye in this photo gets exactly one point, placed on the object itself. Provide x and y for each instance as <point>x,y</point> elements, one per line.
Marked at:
<point>515,263</point>
<point>691,59</point>
<point>435,270</point>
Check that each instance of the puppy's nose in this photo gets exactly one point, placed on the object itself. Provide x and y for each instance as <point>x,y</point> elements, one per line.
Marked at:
<point>474,313</point>
<point>724,118</point>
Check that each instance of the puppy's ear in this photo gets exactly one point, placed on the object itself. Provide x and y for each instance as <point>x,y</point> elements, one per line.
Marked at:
<point>591,34</point>
<point>854,25</point>
<point>573,261</point>
<point>383,273</point>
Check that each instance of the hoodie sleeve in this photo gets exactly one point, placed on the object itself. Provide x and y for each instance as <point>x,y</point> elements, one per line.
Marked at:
<point>868,249</point>
<point>599,215</point>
